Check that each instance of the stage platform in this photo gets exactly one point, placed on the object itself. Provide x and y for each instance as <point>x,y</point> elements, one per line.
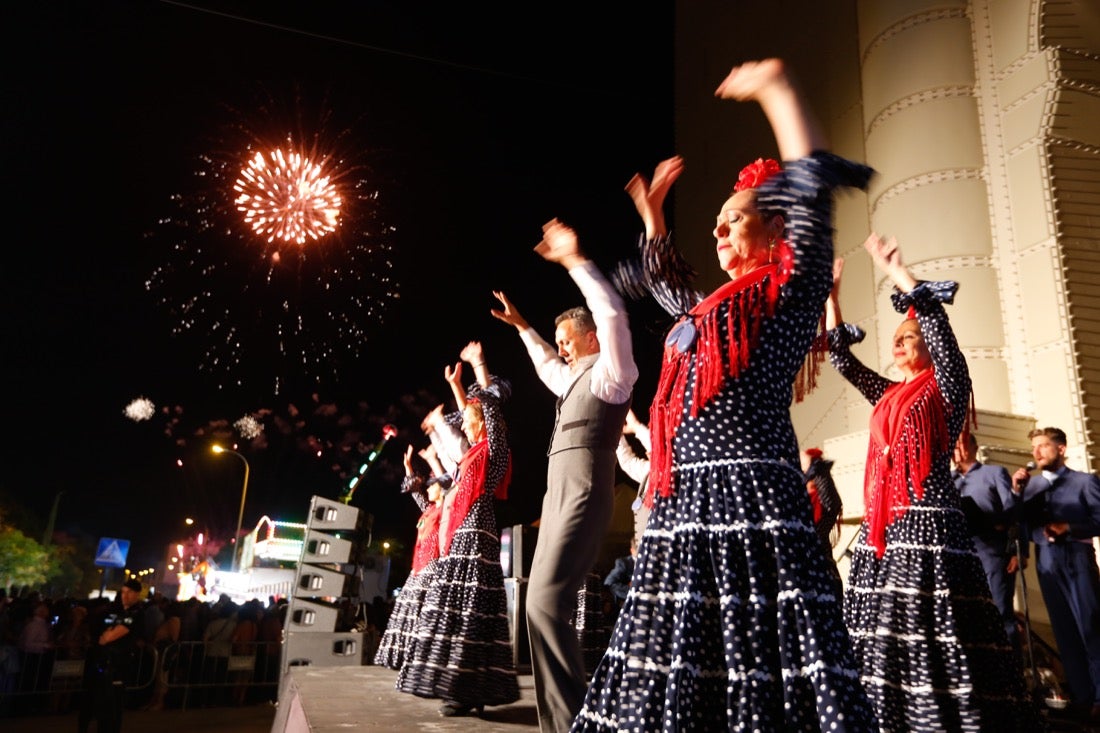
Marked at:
<point>345,699</point>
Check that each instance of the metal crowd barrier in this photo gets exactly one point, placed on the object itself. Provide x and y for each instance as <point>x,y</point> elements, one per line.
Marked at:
<point>177,675</point>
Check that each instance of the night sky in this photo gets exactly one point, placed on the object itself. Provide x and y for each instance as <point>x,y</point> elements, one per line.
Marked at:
<point>474,129</point>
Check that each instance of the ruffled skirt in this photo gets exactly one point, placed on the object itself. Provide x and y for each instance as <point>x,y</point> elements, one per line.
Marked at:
<point>734,620</point>
<point>461,649</point>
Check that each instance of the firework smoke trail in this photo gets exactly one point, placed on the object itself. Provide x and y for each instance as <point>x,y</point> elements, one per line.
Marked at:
<point>278,263</point>
<point>331,436</point>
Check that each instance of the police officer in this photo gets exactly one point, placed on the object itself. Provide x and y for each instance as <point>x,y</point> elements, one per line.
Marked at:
<point>111,661</point>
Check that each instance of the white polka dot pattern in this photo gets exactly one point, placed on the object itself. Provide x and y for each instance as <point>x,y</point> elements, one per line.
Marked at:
<point>931,645</point>
<point>733,620</point>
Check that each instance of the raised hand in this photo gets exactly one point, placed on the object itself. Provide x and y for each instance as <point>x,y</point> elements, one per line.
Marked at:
<point>832,304</point>
<point>884,252</point>
<point>453,375</point>
<point>838,270</point>
<point>752,79</point>
<point>432,419</point>
<point>559,244</point>
<point>649,196</point>
<point>509,313</point>
<point>472,354</point>
<point>887,257</point>
<point>429,454</point>
<point>797,131</point>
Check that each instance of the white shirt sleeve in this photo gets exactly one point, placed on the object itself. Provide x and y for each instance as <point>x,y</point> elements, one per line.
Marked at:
<point>642,434</point>
<point>614,373</point>
<point>450,445</point>
<point>553,372</point>
<point>632,464</point>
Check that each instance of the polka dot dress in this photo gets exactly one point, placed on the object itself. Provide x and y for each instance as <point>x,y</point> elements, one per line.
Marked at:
<point>733,621</point>
<point>931,645</point>
<point>461,650</point>
<point>406,608</point>
<point>402,624</point>
<point>593,631</point>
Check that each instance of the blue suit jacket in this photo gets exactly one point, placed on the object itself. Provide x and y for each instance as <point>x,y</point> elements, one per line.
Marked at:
<point>618,580</point>
<point>1073,497</point>
<point>985,494</point>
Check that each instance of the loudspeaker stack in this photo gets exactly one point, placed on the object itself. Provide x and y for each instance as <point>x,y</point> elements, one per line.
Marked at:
<point>326,587</point>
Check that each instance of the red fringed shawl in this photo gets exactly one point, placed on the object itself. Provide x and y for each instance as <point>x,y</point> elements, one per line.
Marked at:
<point>750,298</point>
<point>815,501</point>
<point>473,470</point>
<point>908,431</point>
<point>427,538</point>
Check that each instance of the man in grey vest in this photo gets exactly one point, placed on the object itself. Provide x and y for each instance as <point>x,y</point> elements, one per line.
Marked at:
<point>592,372</point>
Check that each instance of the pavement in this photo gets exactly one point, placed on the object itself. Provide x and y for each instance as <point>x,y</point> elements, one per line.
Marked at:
<point>324,700</point>
<point>342,699</point>
<point>247,719</point>
<point>346,700</point>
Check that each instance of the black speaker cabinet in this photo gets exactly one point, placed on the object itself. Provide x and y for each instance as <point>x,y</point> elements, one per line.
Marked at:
<point>517,548</point>
<point>516,590</point>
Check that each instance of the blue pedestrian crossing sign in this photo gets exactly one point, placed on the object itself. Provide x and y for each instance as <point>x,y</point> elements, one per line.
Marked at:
<point>111,553</point>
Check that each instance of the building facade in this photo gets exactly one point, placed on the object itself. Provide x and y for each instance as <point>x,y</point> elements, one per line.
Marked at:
<point>982,120</point>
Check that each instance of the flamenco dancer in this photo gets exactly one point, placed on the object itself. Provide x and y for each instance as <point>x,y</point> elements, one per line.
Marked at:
<point>733,621</point>
<point>931,644</point>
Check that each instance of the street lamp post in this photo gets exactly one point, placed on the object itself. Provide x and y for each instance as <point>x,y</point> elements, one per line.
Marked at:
<point>244,493</point>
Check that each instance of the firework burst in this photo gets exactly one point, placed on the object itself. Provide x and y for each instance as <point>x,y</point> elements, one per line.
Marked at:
<point>277,263</point>
<point>287,197</point>
<point>140,409</point>
<point>326,439</point>
<point>249,427</point>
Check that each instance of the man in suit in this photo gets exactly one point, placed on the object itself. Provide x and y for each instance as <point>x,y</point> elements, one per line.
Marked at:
<point>1061,509</point>
<point>987,501</point>
<point>618,580</point>
<point>592,373</point>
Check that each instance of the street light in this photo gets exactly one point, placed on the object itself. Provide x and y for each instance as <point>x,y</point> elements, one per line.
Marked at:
<point>244,492</point>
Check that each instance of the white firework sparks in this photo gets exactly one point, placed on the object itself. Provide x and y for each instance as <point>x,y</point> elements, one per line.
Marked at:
<point>278,260</point>
<point>286,196</point>
<point>249,427</point>
<point>140,409</point>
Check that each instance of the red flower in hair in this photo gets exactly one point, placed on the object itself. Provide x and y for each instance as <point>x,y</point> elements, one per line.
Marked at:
<point>756,173</point>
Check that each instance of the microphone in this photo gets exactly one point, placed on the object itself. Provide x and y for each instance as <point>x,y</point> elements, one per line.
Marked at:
<point>1018,486</point>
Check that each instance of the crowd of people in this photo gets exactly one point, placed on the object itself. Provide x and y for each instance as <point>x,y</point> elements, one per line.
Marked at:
<point>130,652</point>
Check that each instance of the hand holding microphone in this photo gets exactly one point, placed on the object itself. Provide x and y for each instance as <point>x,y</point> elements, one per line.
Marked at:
<point>1021,477</point>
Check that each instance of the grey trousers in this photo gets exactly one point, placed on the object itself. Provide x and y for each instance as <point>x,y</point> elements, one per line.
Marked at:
<point>576,512</point>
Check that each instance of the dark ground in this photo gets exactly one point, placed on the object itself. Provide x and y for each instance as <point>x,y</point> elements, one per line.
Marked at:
<point>342,700</point>
<point>248,719</point>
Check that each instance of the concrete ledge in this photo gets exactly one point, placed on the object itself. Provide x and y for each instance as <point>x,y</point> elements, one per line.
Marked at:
<point>343,699</point>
